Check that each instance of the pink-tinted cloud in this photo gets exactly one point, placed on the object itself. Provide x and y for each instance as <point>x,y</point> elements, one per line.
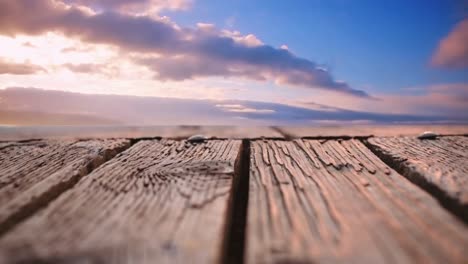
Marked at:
<point>93,68</point>
<point>442,99</point>
<point>7,67</point>
<point>453,49</point>
<point>238,108</point>
<point>181,53</point>
<point>133,6</point>
<point>447,100</point>
<point>134,110</point>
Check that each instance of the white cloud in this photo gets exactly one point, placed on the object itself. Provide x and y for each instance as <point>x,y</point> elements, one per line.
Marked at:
<point>238,108</point>
<point>249,40</point>
<point>182,53</point>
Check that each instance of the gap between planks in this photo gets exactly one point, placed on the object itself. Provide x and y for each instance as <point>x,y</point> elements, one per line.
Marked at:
<point>150,167</point>
<point>236,217</point>
<point>235,231</point>
<point>383,202</point>
<point>452,204</point>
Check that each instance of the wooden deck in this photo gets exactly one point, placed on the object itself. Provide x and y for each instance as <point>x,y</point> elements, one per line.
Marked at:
<point>246,195</point>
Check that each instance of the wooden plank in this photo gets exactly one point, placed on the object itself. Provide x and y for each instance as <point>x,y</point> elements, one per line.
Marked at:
<point>35,172</point>
<point>371,130</point>
<point>172,132</point>
<point>440,166</point>
<point>330,201</point>
<point>159,201</point>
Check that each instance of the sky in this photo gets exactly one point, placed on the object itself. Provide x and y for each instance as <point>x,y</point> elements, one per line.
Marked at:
<point>252,62</point>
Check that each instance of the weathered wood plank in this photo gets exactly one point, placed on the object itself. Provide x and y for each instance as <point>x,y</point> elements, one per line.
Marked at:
<point>158,202</point>
<point>439,166</point>
<point>173,132</point>
<point>33,173</point>
<point>371,130</point>
<point>335,202</point>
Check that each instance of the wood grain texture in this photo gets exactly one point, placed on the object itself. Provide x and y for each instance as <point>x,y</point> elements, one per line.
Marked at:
<point>371,130</point>
<point>329,201</point>
<point>35,172</point>
<point>158,202</point>
<point>439,166</point>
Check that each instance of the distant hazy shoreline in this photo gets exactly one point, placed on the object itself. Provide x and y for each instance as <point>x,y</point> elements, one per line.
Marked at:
<point>8,132</point>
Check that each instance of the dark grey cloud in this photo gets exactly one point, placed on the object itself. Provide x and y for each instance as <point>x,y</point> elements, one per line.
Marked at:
<point>134,110</point>
<point>183,53</point>
<point>7,67</point>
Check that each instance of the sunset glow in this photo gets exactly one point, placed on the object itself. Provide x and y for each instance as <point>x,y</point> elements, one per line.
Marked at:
<point>187,49</point>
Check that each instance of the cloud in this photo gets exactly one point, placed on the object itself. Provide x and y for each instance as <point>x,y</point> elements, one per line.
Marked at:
<point>452,51</point>
<point>440,99</point>
<point>238,108</point>
<point>28,45</point>
<point>433,100</point>
<point>134,110</point>
<point>436,100</point>
<point>72,49</point>
<point>93,68</point>
<point>134,6</point>
<point>162,45</point>
<point>25,118</point>
<point>249,40</point>
<point>7,67</point>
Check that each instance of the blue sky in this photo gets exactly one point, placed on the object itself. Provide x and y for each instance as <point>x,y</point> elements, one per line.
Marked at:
<point>376,57</point>
<point>382,45</point>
